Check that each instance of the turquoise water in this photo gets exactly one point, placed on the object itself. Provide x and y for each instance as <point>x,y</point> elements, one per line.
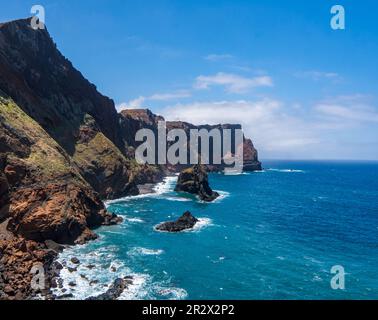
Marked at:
<point>272,235</point>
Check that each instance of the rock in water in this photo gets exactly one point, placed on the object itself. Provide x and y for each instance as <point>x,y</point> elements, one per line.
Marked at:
<point>195,180</point>
<point>115,289</point>
<point>186,221</point>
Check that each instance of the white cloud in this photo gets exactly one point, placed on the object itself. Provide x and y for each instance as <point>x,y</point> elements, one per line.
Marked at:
<point>318,75</point>
<point>139,102</point>
<point>325,130</point>
<point>265,121</point>
<point>132,104</point>
<point>287,131</point>
<point>364,114</point>
<point>233,83</point>
<point>218,57</point>
<point>355,108</point>
<point>170,96</point>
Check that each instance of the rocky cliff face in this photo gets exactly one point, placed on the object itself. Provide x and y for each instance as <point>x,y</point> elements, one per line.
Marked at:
<point>4,195</point>
<point>49,89</point>
<point>62,146</point>
<point>63,149</point>
<point>49,199</point>
<point>60,143</point>
<point>134,120</point>
<point>45,85</point>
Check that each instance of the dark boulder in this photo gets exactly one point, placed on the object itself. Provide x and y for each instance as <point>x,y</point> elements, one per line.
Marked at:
<point>115,289</point>
<point>186,221</point>
<point>195,180</point>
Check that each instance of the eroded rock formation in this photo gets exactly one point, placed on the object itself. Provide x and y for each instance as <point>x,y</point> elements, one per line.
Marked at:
<point>186,221</point>
<point>195,180</point>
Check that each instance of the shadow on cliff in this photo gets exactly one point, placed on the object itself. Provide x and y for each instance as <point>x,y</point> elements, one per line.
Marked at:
<point>4,194</point>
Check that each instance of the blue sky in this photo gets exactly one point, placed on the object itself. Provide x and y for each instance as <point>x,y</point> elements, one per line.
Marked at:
<point>300,89</point>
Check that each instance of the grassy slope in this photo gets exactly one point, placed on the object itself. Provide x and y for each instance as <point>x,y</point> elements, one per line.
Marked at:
<point>46,155</point>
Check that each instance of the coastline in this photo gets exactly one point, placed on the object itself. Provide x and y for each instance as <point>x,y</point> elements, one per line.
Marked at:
<point>121,284</point>
<point>117,271</point>
<point>15,248</point>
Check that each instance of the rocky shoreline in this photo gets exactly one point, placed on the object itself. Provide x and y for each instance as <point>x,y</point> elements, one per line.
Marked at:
<point>64,149</point>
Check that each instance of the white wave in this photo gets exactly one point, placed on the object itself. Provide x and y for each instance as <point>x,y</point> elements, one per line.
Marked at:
<point>138,290</point>
<point>249,173</point>
<point>145,251</point>
<point>202,223</point>
<point>234,173</point>
<point>171,293</point>
<point>113,232</point>
<point>238,173</point>
<point>134,219</point>
<point>107,203</point>
<point>97,271</point>
<point>222,196</point>
<point>287,170</point>
<point>180,199</point>
<point>166,186</point>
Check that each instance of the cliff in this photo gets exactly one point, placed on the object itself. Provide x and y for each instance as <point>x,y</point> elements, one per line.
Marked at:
<point>49,199</point>
<point>63,149</point>
<point>84,123</point>
<point>63,145</point>
<point>135,119</point>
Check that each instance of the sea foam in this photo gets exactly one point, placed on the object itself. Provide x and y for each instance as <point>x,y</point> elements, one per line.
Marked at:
<point>145,251</point>
<point>161,188</point>
<point>286,170</point>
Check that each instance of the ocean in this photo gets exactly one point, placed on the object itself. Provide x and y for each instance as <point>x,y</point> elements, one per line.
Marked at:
<point>273,234</point>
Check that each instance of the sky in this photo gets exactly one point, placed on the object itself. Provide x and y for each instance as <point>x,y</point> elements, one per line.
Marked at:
<point>300,89</point>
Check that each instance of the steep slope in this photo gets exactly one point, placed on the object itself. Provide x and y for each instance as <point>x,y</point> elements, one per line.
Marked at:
<point>63,148</point>
<point>49,199</point>
<point>46,86</point>
<point>4,194</point>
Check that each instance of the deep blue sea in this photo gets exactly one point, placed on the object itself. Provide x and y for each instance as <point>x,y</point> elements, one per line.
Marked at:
<point>273,234</point>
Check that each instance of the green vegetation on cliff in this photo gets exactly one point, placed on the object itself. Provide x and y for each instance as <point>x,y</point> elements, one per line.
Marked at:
<point>44,153</point>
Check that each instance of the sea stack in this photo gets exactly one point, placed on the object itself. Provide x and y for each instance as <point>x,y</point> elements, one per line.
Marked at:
<point>186,221</point>
<point>195,180</point>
